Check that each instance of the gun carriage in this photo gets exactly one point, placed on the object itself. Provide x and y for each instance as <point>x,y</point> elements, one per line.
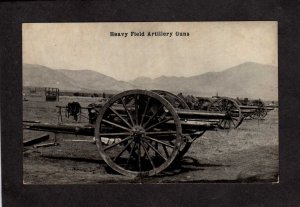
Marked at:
<point>254,109</point>
<point>141,133</point>
<point>236,109</point>
<point>218,105</point>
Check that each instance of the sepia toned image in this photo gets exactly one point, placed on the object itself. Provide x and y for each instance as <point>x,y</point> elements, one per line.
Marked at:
<point>150,102</point>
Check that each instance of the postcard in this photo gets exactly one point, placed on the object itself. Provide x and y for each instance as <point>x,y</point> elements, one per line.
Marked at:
<point>150,102</point>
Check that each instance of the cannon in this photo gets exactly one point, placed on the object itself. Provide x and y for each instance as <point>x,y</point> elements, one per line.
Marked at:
<point>218,105</point>
<point>141,133</point>
<point>254,109</point>
<point>237,109</point>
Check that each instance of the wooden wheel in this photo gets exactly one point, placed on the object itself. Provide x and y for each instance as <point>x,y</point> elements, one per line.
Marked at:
<point>232,110</point>
<point>174,100</point>
<point>178,102</point>
<point>261,112</point>
<point>144,131</point>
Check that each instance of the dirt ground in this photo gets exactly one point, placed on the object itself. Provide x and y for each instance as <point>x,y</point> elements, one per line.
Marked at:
<point>246,154</point>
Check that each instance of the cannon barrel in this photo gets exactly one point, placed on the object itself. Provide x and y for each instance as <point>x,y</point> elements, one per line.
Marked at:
<point>248,111</point>
<point>197,124</point>
<point>250,107</point>
<point>61,128</point>
<point>270,108</point>
<point>195,114</point>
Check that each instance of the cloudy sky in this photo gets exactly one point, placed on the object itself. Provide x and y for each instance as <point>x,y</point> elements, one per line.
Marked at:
<point>210,46</point>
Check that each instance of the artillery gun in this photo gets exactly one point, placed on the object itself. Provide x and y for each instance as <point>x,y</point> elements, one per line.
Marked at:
<point>253,109</point>
<point>147,130</point>
<point>218,105</point>
<point>257,108</point>
<point>237,109</point>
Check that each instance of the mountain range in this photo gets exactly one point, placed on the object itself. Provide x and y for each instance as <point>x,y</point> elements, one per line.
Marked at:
<point>71,80</point>
<point>249,79</point>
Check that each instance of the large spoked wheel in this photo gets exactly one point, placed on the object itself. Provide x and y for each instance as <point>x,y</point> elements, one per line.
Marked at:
<point>232,110</point>
<point>261,111</point>
<point>174,100</point>
<point>144,133</point>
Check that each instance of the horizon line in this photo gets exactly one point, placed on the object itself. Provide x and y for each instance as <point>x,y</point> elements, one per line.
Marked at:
<point>149,77</point>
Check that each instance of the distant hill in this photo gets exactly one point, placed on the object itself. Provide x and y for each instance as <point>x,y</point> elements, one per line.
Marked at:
<point>73,80</point>
<point>41,76</point>
<point>93,80</point>
<point>249,79</point>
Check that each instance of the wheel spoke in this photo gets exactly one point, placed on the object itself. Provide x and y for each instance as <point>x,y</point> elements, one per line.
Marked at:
<point>116,125</point>
<point>166,151</point>
<point>114,111</point>
<point>226,105</point>
<point>136,105</point>
<point>230,106</point>
<point>130,155</point>
<point>219,106</point>
<point>234,118</point>
<point>115,144</point>
<point>147,148</point>
<point>127,111</point>
<point>222,120</point>
<point>123,150</point>
<point>155,150</point>
<point>147,154</point>
<point>161,117</point>
<point>160,142</point>
<point>229,124</point>
<point>139,157</point>
<point>153,116</point>
<point>156,146</point>
<point>161,122</point>
<point>233,123</point>
<point>225,122</point>
<point>145,110</point>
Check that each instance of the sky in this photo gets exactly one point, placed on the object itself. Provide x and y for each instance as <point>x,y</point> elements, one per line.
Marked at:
<point>210,46</point>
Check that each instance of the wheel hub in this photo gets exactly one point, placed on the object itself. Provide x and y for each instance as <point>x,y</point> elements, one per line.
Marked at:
<point>137,132</point>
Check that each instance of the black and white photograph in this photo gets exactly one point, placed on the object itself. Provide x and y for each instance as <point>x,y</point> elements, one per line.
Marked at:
<point>150,102</point>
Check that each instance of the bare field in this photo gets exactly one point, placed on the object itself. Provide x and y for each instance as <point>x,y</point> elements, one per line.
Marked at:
<point>246,154</point>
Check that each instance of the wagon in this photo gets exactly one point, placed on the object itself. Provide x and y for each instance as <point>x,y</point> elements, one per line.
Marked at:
<point>141,133</point>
